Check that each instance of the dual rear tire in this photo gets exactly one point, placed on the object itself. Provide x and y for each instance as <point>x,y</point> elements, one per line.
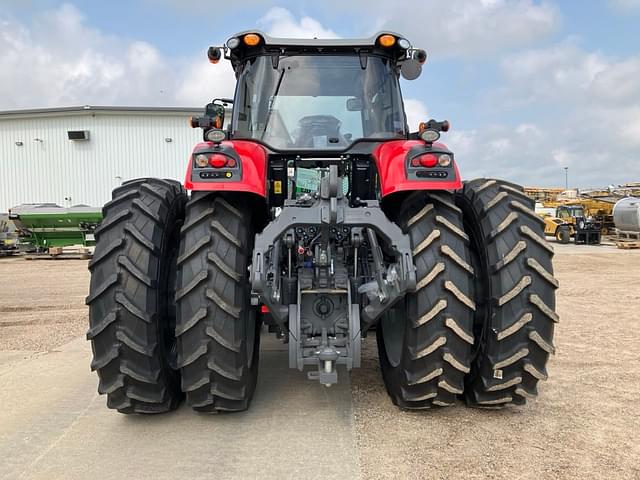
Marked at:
<point>169,307</point>
<point>480,324</point>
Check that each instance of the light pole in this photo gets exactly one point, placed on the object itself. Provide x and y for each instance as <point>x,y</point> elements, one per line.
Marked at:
<point>566,178</point>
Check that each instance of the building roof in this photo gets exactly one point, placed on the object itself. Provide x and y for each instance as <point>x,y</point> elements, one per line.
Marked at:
<point>93,109</point>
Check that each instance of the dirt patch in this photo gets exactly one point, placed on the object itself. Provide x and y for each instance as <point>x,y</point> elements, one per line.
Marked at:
<point>41,303</point>
<point>585,424</point>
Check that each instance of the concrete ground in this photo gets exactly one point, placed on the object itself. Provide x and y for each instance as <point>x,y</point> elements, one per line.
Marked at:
<point>585,424</point>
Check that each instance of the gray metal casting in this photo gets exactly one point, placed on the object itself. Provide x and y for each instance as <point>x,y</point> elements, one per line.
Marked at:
<point>320,310</point>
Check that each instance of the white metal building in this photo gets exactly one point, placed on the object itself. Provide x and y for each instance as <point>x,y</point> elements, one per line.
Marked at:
<point>40,163</point>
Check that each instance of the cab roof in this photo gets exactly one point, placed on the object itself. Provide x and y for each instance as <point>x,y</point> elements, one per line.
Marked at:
<point>318,42</point>
<point>238,51</point>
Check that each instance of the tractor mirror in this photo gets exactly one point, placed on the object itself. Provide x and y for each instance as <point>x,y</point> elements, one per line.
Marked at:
<point>354,104</point>
<point>214,54</point>
<point>215,113</point>
<point>411,69</point>
<point>210,109</point>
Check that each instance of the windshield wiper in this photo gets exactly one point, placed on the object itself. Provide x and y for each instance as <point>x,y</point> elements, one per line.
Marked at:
<point>271,102</point>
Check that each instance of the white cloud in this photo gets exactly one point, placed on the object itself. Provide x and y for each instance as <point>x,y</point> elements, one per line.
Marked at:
<point>586,107</point>
<point>59,60</point>
<point>462,27</point>
<point>561,72</point>
<point>203,81</point>
<point>280,22</point>
<point>532,157</point>
<point>416,112</point>
<point>599,145</point>
<point>566,72</point>
<point>449,27</point>
<point>618,82</point>
<point>624,5</point>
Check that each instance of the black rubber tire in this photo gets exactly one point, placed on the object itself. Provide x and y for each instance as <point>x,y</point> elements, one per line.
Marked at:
<point>425,354</point>
<point>131,320</point>
<point>218,331</point>
<point>563,236</point>
<point>515,293</point>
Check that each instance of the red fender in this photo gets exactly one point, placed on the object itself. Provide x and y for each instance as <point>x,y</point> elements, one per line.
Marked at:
<point>253,167</point>
<point>390,158</point>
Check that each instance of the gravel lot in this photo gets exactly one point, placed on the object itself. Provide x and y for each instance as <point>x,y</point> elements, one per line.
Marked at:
<point>41,303</point>
<point>586,423</point>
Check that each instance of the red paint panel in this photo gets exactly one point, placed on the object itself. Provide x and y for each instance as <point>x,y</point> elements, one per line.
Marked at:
<point>254,169</point>
<point>390,160</point>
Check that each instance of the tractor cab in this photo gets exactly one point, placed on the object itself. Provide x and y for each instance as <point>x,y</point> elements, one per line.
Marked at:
<point>570,212</point>
<point>296,95</point>
<point>321,94</point>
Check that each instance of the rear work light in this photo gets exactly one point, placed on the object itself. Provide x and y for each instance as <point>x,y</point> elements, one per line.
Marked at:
<point>444,160</point>
<point>202,160</point>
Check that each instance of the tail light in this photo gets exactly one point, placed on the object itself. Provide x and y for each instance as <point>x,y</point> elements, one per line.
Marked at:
<point>430,160</point>
<point>427,160</point>
<point>218,161</point>
<point>215,160</point>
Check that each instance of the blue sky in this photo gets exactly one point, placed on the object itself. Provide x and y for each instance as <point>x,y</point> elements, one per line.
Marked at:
<point>529,86</point>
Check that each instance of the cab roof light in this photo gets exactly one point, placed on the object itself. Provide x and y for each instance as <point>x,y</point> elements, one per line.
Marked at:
<point>387,40</point>
<point>251,39</point>
<point>404,44</point>
<point>233,42</point>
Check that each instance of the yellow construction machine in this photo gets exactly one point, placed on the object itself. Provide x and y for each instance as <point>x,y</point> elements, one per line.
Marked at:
<point>558,228</point>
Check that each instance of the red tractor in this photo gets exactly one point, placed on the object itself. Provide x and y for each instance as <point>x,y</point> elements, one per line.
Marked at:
<point>318,212</point>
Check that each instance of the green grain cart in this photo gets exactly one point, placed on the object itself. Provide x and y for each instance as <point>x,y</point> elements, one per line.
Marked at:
<point>47,225</point>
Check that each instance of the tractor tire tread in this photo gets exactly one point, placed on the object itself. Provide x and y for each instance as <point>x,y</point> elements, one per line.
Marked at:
<point>211,297</point>
<point>514,328</point>
<point>125,327</point>
<point>440,313</point>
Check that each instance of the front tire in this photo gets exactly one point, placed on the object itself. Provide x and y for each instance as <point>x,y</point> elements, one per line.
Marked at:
<point>217,329</point>
<point>131,320</point>
<point>563,236</point>
<point>424,343</point>
<point>515,293</point>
